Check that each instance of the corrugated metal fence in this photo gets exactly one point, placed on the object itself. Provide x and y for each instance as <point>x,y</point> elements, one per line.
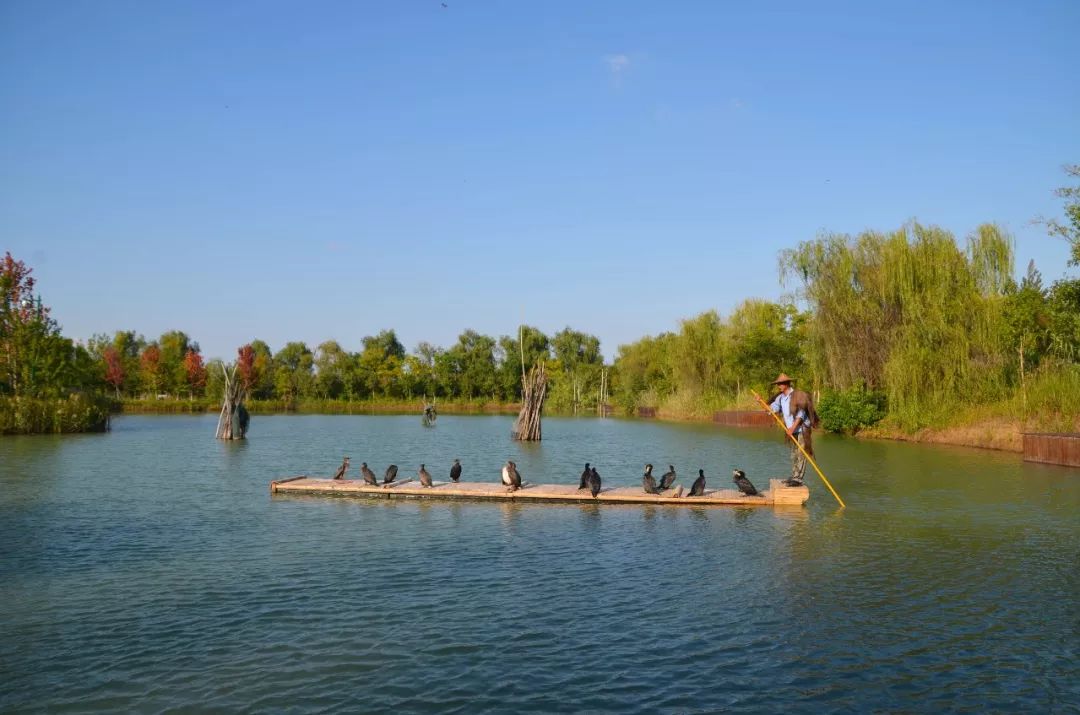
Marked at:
<point>1052,448</point>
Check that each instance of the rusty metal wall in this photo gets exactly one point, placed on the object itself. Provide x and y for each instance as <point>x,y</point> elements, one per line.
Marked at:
<point>1052,448</point>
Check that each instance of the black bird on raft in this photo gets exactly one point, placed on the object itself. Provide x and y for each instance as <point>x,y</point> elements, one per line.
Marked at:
<point>698,488</point>
<point>594,482</point>
<point>391,474</point>
<point>648,482</point>
<point>340,474</point>
<point>511,477</point>
<point>744,485</point>
<point>584,478</point>
<point>425,477</point>
<point>369,476</point>
<point>668,479</point>
<point>455,471</point>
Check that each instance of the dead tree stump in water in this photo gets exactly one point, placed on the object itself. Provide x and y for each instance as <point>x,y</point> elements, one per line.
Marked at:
<point>234,418</point>
<point>533,394</point>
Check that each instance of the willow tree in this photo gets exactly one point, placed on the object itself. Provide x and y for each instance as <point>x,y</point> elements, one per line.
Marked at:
<point>909,313</point>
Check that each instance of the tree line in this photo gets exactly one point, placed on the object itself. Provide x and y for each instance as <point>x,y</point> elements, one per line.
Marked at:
<point>476,367</point>
<point>909,323</point>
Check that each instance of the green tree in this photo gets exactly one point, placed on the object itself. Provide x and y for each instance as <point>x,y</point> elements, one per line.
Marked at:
<point>264,374</point>
<point>643,372</point>
<point>909,312</point>
<point>293,377</point>
<point>420,366</point>
<point>765,338</point>
<point>332,368</point>
<point>576,370</point>
<point>1026,316</point>
<point>1063,302</point>
<point>35,359</point>
<point>174,346</point>
<point>1069,229</point>
<point>385,342</point>
<point>509,355</point>
<point>472,365</point>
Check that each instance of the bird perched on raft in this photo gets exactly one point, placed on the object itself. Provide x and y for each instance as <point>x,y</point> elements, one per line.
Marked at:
<point>425,477</point>
<point>648,483</point>
<point>594,482</point>
<point>455,471</point>
<point>511,477</point>
<point>342,469</point>
<point>668,479</point>
<point>744,485</point>
<point>369,476</point>
<point>391,475</point>
<point>698,488</point>
<point>584,478</point>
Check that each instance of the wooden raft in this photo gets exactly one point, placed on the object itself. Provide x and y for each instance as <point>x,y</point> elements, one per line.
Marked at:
<point>776,495</point>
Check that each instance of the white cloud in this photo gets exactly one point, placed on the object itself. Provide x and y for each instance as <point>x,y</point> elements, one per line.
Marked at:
<point>617,65</point>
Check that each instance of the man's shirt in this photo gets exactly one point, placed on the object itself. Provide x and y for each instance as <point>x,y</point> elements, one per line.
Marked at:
<point>782,404</point>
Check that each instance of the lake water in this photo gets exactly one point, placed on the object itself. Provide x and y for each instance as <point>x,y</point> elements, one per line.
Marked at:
<point>149,569</point>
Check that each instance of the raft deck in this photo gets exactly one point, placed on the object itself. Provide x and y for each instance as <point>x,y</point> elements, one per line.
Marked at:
<point>777,494</point>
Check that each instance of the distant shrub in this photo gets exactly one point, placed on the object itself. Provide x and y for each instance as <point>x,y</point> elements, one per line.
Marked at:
<point>849,411</point>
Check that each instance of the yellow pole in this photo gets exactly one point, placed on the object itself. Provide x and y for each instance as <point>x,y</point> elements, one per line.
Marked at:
<point>796,441</point>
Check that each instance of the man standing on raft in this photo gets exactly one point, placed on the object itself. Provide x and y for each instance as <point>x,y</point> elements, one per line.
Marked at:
<point>797,409</point>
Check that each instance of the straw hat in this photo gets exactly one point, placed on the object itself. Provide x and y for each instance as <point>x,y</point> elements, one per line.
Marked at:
<point>782,379</point>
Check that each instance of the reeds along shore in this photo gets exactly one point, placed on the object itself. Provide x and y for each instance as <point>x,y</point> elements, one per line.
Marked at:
<point>59,415</point>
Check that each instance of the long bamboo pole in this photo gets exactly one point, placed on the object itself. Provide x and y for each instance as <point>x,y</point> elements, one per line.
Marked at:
<point>796,441</point>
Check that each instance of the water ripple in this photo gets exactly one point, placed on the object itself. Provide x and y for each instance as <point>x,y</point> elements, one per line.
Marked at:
<point>149,570</point>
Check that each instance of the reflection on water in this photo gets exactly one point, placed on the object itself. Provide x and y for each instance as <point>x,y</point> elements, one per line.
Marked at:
<point>150,569</point>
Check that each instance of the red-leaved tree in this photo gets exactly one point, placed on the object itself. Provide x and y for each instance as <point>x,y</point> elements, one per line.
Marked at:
<point>196,372</point>
<point>150,362</point>
<point>24,321</point>
<point>245,367</point>
<point>114,368</point>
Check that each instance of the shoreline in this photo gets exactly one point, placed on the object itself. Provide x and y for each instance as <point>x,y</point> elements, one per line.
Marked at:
<point>999,434</point>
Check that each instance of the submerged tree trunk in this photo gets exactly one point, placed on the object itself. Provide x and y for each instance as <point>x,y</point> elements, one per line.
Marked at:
<point>234,418</point>
<point>533,394</point>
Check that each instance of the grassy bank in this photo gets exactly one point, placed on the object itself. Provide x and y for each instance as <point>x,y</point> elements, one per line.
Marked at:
<point>77,413</point>
<point>1046,403</point>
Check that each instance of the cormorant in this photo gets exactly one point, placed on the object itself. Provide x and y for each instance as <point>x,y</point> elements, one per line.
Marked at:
<point>594,482</point>
<point>391,474</point>
<point>369,476</point>
<point>455,471</point>
<point>744,485</point>
<point>698,489</point>
<point>425,477</point>
<point>511,477</point>
<point>668,479</point>
<point>342,469</point>
<point>648,482</point>
<point>584,478</point>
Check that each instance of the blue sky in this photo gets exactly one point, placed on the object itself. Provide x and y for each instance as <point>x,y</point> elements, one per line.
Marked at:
<point>324,170</point>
